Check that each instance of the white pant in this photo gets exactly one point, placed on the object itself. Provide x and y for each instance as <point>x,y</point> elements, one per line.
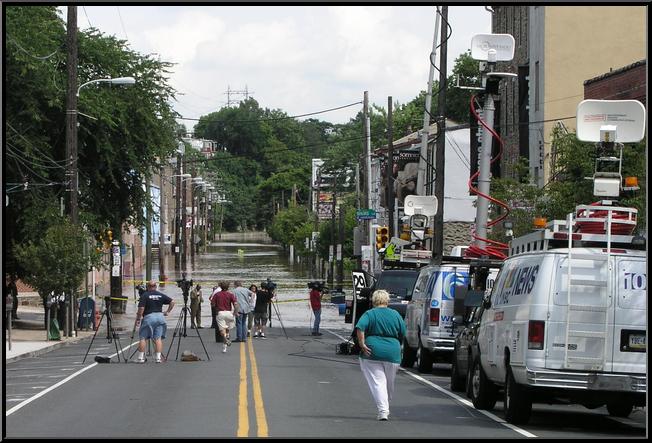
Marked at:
<point>380,377</point>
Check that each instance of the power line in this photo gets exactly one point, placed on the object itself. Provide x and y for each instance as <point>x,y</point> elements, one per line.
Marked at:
<point>271,118</point>
<point>123,25</point>
<point>45,57</point>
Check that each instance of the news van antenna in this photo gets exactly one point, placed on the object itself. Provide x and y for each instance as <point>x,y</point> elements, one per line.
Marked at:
<point>488,49</point>
<point>610,124</point>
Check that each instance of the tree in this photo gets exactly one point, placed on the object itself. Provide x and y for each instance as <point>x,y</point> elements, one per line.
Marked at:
<point>568,186</point>
<point>118,145</point>
<point>55,263</point>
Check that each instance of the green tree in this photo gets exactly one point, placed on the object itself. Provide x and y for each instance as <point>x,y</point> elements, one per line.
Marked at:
<point>55,263</point>
<point>122,132</point>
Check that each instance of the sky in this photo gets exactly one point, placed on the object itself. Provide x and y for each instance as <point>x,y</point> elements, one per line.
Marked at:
<point>300,59</point>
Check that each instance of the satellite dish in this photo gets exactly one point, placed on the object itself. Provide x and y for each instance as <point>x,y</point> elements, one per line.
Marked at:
<point>597,119</point>
<point>420,204</point>
<point>492,47</point>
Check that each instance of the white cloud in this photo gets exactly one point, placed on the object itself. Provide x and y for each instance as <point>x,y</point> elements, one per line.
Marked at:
<point>297,58</point>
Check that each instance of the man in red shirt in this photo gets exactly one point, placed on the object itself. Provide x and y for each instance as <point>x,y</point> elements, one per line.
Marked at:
<point>226,305</point>
<point>315,305</point>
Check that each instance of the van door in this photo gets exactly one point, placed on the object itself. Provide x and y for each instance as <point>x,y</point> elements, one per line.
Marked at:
<point>587,307</point>
<point>629,337</point>
<point>431,300</point>
<point>415,306</point>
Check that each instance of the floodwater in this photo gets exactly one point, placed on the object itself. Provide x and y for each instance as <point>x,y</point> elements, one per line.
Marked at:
<point>252,263</point>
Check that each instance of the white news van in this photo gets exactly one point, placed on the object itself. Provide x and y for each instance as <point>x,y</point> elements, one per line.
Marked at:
<point>564,321</point>
<point>430,335</point>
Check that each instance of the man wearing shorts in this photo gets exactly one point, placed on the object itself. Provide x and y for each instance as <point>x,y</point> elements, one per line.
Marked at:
<point>226,306</point>
<point>150,310</point>
<point>263,298</point>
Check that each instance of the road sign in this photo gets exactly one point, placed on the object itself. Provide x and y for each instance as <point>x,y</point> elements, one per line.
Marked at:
<point>365,214</point>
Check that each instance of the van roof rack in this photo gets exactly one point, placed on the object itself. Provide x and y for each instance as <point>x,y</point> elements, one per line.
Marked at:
<point>555,235</point>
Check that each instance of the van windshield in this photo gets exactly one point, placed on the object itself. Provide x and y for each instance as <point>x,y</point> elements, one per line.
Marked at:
<point>398,285</point>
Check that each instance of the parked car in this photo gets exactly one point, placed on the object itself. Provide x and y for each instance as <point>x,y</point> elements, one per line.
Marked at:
<point>399,283</point>
<point>467,337</point>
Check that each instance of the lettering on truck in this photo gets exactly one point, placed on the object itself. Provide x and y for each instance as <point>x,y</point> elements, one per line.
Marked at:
<point>517,281</point>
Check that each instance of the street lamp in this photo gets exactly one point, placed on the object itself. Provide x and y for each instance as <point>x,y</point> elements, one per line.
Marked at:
<point>126,81</point>
<point>71,137</point>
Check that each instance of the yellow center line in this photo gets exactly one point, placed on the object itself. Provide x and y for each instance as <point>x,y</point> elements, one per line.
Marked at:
<point>261,419</point>
<point>243,413</point>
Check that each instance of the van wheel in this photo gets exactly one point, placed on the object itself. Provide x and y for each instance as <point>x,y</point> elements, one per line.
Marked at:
<point>620,408</point>
<point>424,360</point>
<point>518,405</point>
<point>457,383</point>
<point>409,355</point>
<point>484,393</point>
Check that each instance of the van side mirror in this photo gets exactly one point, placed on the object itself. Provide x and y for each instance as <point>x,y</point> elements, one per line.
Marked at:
<point>458,319</point>
<point>486,303</point>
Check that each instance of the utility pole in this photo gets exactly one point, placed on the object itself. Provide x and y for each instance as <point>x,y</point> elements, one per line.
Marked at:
<point>71,112</point>
<point>333,246</point>
<point>161,228</point>
<point>339,253</point>
<point>177,218</point>
<point>389,171</point>
<point>421,172</point>
<point>183,224</point>
<point>71,139</point>
<point>148,244</point>
<point>438,231</point>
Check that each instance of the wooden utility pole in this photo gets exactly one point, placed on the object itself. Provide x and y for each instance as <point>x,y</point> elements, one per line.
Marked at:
<point>71,111</point>
<point>148,239</point>
<point>389,171</point>
<point>438,241</point>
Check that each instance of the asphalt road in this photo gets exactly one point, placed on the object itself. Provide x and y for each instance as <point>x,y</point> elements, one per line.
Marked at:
<point>278,387</point>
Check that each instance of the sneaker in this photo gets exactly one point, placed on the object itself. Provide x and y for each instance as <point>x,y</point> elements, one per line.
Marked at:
<point>383,416</point>
<point>255,334</point>
<point>224,349</point>
<point>262,335</point>
<point>141,360</point>
<point>159,360</point>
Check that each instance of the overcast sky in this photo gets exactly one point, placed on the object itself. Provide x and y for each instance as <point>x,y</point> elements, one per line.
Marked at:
<point>299,59</point>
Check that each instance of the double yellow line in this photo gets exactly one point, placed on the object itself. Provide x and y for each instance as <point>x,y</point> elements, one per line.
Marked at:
<point>243,397</point>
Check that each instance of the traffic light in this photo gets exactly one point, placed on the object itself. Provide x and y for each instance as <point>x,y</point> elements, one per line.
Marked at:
<point>382,237</point>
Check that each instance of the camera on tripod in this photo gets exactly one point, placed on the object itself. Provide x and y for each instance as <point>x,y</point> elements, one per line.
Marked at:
<point>268,285</point>
<point>318,285</point>
<point>185,286</point>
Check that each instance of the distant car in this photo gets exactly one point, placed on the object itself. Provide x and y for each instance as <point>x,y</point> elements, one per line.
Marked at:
<point>399,283</point>
<point>461,360</point>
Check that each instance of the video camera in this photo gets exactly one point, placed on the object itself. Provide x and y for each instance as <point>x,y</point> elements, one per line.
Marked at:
<point>318,285</point>
<point>268,285</point>
<point>185,286</point>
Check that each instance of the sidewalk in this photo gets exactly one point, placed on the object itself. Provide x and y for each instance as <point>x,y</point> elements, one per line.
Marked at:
<point>28,339</point>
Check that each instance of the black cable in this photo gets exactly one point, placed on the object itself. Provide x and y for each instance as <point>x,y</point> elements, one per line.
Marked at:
<point>271,118</point>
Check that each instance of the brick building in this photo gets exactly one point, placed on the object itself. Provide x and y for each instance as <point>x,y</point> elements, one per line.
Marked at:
<point>626,83</point>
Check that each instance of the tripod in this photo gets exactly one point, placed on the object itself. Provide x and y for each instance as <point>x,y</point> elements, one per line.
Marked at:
<point>110,332</point>
<point>278,315</point>
<point>180,329</point>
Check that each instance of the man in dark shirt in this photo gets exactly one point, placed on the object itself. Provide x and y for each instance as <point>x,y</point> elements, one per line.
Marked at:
<point>263,299</point>
<point>150,309</point>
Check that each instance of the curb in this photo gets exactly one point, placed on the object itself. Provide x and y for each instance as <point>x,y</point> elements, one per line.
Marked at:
<point>45,350</point>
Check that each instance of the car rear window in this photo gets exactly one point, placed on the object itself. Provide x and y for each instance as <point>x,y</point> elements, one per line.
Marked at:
<point>398,285</point>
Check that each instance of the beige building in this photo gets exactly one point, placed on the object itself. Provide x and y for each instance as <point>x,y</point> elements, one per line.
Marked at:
<point>568,45</point>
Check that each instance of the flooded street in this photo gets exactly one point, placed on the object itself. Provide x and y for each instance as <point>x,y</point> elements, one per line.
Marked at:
<point>251,262</point>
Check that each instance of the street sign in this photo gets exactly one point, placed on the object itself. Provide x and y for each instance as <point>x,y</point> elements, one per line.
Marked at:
<point>365,214</point>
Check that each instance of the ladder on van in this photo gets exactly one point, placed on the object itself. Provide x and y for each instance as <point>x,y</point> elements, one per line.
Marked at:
<point>593,354</point>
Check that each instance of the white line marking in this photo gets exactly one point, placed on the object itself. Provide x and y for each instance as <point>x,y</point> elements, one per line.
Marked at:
<point>56,385</point>
<point>469,404</point>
